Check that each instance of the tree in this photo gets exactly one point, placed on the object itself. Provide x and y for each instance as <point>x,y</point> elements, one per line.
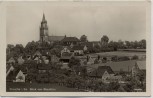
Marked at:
<point>55,51</point>
<point>135,57</point>
<point>104,39</point>
<point>96,48</point>
<point>74,62</point>
<point>127,44</point>
<point>83,38</point>
<point>31,47</point>
<point>114,86</point>
<point>113,45</point>
<point>143,44</point>
<point>120,44</point>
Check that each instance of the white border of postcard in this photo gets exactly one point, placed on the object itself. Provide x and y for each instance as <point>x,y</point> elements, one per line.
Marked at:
<point>4,4</point>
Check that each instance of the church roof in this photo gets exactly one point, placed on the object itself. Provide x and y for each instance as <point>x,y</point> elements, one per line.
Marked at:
<point>43,19</point>
<point>56,38</point>
<point>66,39</point>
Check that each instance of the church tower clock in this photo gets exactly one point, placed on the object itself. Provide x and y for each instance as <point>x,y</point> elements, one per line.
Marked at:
<point>43,30</point>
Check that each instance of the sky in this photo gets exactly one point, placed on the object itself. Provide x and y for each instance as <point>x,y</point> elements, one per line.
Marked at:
<point>93,20</point>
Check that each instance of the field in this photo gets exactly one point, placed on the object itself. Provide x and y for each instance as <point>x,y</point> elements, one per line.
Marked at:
<point>35,87</point>
<point>121,53</point>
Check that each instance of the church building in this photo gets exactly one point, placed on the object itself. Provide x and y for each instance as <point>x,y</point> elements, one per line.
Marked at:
<point>44,36</point>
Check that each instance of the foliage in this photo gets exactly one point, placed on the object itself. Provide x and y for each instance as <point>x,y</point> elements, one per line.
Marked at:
<point>124,58</point>
<point>105,39</point>
<point>114,58</point>
<point>113,86</point>
<point>96,48</point>
<point>83,38</point>
<point>74,62</point>
<point>135,57</point>
<point>96,61</point>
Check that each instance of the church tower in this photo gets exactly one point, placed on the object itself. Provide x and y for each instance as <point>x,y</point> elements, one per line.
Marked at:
<point>43,30</point>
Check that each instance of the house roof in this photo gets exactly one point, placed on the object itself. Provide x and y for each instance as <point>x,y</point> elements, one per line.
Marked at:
<point>12,75</point>
<point>77,47</point>
<point>44,67</point>
<point>118,66</point>
<point>37,53</point>
<point>66,57</point>
<point>66,39</point>
<point>8,66</point>
<point>56,38</point>
<point>67,54</point>
<point>12,60</point>
<point>100,71</point>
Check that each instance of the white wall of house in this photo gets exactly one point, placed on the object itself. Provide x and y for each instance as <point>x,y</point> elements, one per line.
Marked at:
<point>20,77</point>
<point>85,48</point>
<point>105,77</point>
<point>78,51</point>
<point>65,50</point>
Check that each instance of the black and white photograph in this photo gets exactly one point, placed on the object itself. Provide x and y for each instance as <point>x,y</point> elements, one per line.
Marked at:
<point>77,47</point>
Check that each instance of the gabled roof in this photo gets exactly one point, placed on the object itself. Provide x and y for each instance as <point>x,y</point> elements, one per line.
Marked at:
<point>100,71</point>
<point>66,55</point>
<point>118,66</point>
<point>37,52</point>
<point>8,66</point>
<point>56,38</point>
<point>12,75</point>
<point>11,59</point>
<point>124,65</point>
<point>66,39</point>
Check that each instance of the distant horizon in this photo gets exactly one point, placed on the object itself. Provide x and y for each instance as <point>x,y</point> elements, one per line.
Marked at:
<point>126,23</point>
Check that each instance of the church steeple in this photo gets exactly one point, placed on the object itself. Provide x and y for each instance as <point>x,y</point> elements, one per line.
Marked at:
<point>43,19</point>
<point>43,30</point>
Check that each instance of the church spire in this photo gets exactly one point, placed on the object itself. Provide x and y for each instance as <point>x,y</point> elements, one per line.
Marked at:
<point>43,19</point>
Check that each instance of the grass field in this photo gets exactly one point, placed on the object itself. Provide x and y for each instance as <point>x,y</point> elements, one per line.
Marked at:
<point>36,87</point>
<point>122,53</point>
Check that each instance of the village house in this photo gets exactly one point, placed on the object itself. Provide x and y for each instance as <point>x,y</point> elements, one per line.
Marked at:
<point>78,50</point>
<point>9,68</point>
<point>122,67</point>
<point>11,60</point>
<point>139,67</point>
<point>20,60</point>
<point>37,53</point>
<point>67,41</point>
<point>17,75</point>
<point>54,59</point>
<point>66,57</point>
<point>102,73</point>
<point>65,50</point>
<point>90,60</point>
<point>66,54</point>
<point>20,77</point>
<point>88,46</point>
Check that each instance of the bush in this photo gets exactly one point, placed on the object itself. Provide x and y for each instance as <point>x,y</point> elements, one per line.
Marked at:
<point>114,59</point>
<point>96,61</point>
<point>135,57</point>
<point>124,58</point>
